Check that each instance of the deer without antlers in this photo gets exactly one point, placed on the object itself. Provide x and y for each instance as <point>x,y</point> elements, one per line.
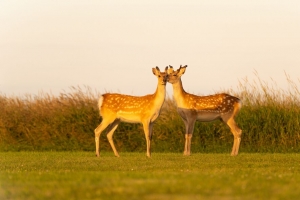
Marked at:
<point>115,108</point>
<point>204,108</point>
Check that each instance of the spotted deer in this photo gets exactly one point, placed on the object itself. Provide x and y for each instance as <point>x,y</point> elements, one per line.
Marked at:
<point>194,108</point>
<point>115,108</point>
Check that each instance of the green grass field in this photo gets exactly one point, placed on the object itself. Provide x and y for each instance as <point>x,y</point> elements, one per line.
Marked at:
<point>81,175</point>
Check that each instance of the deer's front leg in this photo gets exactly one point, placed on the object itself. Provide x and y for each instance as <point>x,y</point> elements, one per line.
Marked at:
<point>148,133</point>
<point>189,129</point>
<point>187,146</point>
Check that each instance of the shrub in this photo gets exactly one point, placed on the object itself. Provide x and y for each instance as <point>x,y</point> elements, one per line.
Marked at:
<point>269,119</point>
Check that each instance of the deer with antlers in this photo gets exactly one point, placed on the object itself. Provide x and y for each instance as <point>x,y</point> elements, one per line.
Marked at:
<point>115,108</point>
<point>194,108</point>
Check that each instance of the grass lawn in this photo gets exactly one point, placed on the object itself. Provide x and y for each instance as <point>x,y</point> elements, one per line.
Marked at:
<point>81,175</point>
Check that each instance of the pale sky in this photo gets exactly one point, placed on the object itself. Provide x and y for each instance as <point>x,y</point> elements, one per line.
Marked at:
<point>111,45</point>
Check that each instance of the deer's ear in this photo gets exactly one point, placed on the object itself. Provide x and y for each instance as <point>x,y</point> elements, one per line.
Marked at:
<point>170,70</point>
<point>181,70</point>
<point>156,71</point>
<point>166,69</point>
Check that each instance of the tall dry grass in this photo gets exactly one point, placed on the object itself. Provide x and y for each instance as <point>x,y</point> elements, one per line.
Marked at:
<point>269,119</point>
<point>48,122</point>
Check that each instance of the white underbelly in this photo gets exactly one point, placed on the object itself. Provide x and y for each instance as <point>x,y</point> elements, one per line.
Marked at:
<point>130,118</point>
<point>207,116</point>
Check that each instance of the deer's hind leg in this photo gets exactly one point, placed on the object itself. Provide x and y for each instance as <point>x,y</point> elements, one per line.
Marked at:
<point>105,122</point>
<point>110,131</point>
<point>234,128</point>
<point>237,133</point>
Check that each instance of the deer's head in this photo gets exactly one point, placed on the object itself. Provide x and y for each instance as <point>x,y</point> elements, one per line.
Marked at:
<point>162,76</point>
<point>175,76</point>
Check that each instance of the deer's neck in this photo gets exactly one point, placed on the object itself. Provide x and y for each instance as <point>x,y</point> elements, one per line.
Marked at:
<point>178,93</point>
<point>159,95</point>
